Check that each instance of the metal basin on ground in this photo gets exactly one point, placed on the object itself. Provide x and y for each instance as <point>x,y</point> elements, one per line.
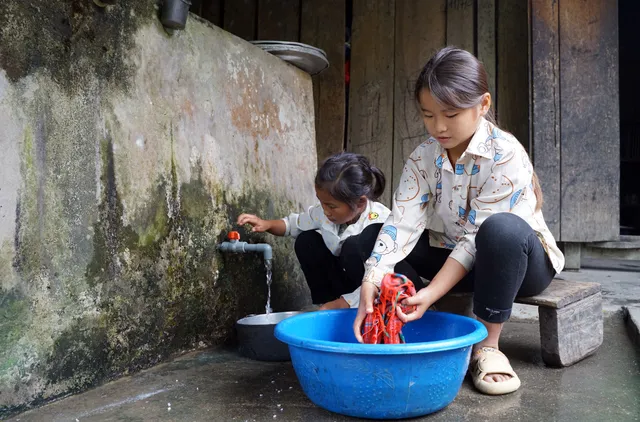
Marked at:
<point>256,339</point>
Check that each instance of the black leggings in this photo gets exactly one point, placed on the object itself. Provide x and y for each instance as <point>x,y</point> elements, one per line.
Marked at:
<point>329,276</point>
<point>510,262</point>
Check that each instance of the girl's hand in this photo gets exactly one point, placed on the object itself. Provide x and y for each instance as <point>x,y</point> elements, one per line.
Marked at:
<point>259,225</point>
<point>339,303</point>
<point>423,300</point>
<point>368,292</point>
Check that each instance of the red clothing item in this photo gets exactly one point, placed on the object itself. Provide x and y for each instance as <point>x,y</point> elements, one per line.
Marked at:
<point>383,325</point>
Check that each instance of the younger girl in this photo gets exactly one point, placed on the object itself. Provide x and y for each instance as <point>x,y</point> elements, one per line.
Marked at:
<point>467,213</point>
<point>331,235</point>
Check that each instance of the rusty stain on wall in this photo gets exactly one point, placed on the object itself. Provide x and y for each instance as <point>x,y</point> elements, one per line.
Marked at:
<point>254,113</point>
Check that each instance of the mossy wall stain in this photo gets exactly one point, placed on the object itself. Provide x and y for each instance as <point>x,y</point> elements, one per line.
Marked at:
<point>158,297</point>
<point>101,279</point>
<point>14,317</point>
<point>75,39</point>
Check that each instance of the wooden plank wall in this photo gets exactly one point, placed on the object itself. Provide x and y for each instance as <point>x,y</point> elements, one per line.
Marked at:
<point>590,120</point>
<point>420,32</point>
<point>421,27</point>
<point>461,24</point>
<point>371,89</point>
<point>279,20</point>
<point>323,25</point>
<point>575,116</point>
<point>486,43</point>
<point>240,17</point>
<point>545,111</point>
<point>513,68</point>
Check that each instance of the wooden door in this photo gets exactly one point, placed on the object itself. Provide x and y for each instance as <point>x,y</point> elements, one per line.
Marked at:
<point>575,116</point>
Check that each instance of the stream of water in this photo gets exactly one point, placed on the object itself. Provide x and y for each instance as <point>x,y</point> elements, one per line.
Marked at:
<point>267,267</point>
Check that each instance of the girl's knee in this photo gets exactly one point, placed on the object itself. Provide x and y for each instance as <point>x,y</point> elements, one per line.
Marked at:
<point>362,244</point>
<point>502,228</point>
<point>367,238</point>
<point>306,239</point>
<point>350,248</point>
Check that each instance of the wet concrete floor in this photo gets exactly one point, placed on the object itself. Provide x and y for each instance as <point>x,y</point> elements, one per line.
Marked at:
<point>219,385</point>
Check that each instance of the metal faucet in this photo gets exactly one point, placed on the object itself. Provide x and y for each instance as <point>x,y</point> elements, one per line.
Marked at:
<point>234,245</point>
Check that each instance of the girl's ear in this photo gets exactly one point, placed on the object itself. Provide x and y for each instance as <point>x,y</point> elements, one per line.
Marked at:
<point>362,202</point>
<point>485,103</point>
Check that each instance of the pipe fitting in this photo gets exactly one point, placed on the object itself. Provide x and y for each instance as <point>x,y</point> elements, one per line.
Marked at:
<point>235,246</point>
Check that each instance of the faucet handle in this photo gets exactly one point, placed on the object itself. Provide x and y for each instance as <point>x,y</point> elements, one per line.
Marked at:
<point>233,236</point>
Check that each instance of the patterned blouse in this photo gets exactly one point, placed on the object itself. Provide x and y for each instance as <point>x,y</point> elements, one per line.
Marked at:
<point>493,175</point>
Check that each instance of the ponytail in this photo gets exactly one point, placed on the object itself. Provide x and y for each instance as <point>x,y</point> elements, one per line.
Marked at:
<point>380,182</point>
<point>537,190</point>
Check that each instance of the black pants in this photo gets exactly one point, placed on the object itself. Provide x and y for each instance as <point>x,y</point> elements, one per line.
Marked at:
<point>329,276</point>
<point>510,262</point>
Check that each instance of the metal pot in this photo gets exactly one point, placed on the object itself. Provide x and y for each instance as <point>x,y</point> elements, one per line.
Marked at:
<point>256,339</point>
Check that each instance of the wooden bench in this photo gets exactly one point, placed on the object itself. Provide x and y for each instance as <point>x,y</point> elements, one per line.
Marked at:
<point>571,322</point>
<point>570,317</point>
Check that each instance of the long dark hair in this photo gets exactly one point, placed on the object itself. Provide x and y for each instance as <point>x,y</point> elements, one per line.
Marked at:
<point>457,79</point>
<point>347,177</point>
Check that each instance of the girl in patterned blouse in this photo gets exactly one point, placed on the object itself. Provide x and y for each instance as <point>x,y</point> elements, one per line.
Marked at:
<point>466,214</point>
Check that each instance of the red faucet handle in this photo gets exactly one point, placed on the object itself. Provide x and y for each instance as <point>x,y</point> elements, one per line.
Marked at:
<point>233,236</point>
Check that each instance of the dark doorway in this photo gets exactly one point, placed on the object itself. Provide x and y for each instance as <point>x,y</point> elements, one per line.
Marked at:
<point>629,16</point>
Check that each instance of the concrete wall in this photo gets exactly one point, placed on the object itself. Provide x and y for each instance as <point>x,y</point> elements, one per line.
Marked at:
<point>126,155</point>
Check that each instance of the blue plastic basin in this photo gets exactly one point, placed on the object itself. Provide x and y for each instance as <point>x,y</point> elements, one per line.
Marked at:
<point>380,381</point>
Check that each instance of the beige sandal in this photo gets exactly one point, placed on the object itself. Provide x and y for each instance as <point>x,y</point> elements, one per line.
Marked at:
<point>489,360</point>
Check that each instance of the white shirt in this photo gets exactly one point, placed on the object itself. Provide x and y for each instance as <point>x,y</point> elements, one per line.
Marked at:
<point>495,172</point>
<point>314,219</point>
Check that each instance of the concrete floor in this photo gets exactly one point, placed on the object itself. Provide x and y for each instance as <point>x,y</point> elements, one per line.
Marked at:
<point>219,385</point>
